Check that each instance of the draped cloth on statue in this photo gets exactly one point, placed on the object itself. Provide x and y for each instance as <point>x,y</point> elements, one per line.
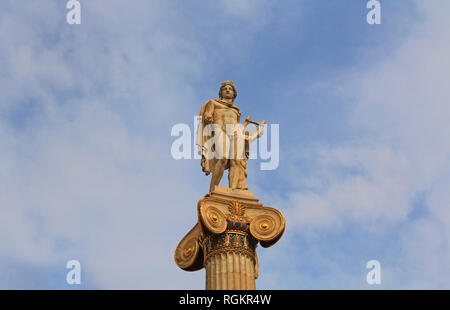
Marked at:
<point>204,135</point>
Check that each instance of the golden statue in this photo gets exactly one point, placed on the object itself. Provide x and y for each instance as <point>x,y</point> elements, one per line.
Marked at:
<point>223,143</point>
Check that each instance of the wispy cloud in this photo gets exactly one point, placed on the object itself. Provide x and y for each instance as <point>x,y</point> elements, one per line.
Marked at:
<point>85,167</point>
<point>401,109</point>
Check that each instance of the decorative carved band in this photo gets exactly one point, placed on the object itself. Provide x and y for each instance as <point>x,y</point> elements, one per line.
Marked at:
<point>229,242</point>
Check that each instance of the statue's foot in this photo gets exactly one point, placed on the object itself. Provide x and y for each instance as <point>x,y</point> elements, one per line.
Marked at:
<point>241,188</point>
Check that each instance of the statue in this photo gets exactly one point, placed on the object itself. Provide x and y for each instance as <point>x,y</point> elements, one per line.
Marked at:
<point>223,143</point>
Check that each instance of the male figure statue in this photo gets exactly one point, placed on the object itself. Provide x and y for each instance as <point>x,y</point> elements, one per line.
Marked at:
<point>222,141</point>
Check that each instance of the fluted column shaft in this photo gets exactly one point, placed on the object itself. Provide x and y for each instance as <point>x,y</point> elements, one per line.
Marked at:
<point>230,261</point>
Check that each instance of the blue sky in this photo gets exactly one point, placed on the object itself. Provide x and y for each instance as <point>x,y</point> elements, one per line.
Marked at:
<point>86,113</point>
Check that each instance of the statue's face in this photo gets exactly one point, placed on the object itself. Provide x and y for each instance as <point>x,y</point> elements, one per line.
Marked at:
<point>227,92</point>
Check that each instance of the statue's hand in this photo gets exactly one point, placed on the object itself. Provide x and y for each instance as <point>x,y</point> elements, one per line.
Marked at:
<point>260,130</point>
<point>209,119</point>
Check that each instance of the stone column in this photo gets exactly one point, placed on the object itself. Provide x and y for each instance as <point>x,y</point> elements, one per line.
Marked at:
<point>230,261</point>
<point>231,225</point>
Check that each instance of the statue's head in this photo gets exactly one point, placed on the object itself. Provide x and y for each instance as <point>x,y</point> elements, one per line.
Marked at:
<point>227,90</point>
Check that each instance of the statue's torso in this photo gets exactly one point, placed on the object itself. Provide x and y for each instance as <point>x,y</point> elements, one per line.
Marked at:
<point>224,115</point>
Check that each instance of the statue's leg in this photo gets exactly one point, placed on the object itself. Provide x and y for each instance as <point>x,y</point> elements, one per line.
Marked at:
<point>237,176</point>
<point>222,153</point>
<point>233,175</point>
<point>243,175</point>
<point>217,173</point>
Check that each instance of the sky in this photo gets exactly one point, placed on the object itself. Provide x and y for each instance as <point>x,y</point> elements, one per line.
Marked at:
<point>86,113</point>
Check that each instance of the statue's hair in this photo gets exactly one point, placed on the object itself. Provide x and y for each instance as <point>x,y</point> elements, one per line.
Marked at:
<point>225,84</point>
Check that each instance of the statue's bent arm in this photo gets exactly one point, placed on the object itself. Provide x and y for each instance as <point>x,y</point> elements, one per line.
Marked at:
<point>209,111</point>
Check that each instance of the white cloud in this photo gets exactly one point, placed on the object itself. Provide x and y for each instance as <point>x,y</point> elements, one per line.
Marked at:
<point>85,118</point>
<point>401,106</point>
<point>86,172</point>
<point>255,12</point>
